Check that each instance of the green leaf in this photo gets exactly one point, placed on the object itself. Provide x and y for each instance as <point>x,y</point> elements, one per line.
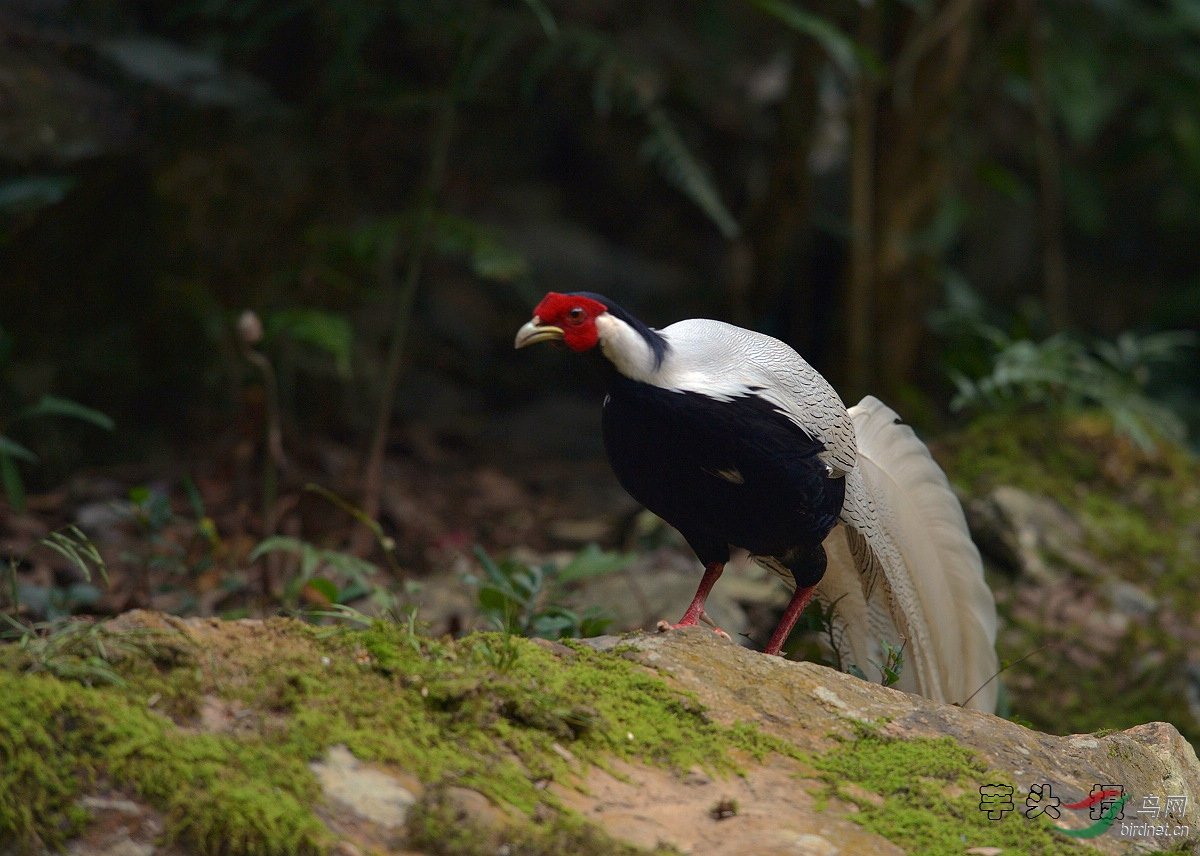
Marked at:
<point>554,626</point>
<point>591,561</point>
<point>325,588</point>
<point>594,622</point>
<point>82,594</point>
<point>494,600</point>
<point>78,549</point>
<point>274,543</point>
<point>194,499</point>
<point>14,449</point>
<point>841,48</point>
<point>35,598</point>
<point>545,17</point>
<point>52,405</point>
<point>326,331</point>
<point>1083,89</point>
<point>355,512</point>
<point>309,560</point>
<point>489,566</point>
<point>679,166</point>
<point>10,476</point>
<point>1005,181</point>
<point>312,558</point>
<point>490,256</point>
<point>347,563</point>
<point>32,192</point>
<point>353,590</point>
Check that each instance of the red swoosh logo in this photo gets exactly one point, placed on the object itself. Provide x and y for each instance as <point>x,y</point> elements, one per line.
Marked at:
<point>1092,800</point>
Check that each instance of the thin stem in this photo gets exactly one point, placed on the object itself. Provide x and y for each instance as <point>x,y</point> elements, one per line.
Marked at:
<point>13,592</point>
<point>14,488</point>
<point>273,461</point>
<point>402,311</point>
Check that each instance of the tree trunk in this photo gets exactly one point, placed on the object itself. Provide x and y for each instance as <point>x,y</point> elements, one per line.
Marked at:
<point>1050,191</point>
<point>912,174</point>
<point>861,288</point>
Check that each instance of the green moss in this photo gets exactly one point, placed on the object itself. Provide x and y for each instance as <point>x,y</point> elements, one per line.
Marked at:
<point>452,713</point>
<point>245,817</point>
<point>931,799</point>
<point>1141,512</point>
<point>443,712</point>
<point>36,797</point>
<point>57,739</point>
<point>496,732</point>
<point>1059,694</point>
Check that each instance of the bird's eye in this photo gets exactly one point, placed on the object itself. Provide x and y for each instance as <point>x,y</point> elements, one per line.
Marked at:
<point>576,315</point>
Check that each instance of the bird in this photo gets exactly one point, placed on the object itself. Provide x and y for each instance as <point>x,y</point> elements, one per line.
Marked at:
<point>736,441</point>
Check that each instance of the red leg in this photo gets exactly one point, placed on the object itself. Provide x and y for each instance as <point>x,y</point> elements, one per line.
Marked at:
<point>790,616</point>
<point>711,574</point>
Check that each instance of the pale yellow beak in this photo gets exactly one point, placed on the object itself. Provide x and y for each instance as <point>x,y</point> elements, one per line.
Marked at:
<point>534,331</point>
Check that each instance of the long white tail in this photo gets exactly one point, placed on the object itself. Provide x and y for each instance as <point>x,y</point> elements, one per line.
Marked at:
<point>903,569</point>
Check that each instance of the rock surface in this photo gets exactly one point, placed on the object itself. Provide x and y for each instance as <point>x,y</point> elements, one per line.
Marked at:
<point>1023,531</point>
<point>805,703</point>
<point>369,794</point>
<point>779,805</point>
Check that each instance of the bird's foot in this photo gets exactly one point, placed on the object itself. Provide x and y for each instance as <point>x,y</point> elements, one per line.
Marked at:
<point>663,626</point>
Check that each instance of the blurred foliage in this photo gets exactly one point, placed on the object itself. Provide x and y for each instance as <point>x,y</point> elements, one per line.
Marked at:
<point>323,331</point>
<point>1139,519</point>
<point>53,602</point>
<point>11,451</point>
<point>716,141</point>
<point>310,587</point>
<point>169,557</point>
<point>1012,371</point>
<point>1123,78</point>
<point>32,192</point>
<point>526,599</point>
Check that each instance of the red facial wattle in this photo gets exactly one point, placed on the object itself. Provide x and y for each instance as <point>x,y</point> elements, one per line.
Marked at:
<point>574,315</point>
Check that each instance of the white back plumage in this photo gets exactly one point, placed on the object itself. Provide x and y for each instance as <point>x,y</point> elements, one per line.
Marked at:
<point>903,568</point>
<point>725,362</point>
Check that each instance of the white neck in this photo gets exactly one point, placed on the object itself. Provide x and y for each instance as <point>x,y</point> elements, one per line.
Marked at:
<point>626,349</point>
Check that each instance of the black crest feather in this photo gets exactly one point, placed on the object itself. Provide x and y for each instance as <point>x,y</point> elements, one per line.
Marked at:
<point>656,342</point>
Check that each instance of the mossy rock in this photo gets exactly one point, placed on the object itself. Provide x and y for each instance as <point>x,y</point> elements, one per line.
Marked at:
<point>1139,512</point>
<point>546,732</point>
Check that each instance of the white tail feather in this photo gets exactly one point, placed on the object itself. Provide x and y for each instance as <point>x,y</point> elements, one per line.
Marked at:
<point>903,569</point>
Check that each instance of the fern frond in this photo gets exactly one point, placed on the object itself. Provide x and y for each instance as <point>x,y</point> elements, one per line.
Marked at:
<point>620,82</point>
<point>843,50</point>
<point>1064,371</point>
<point>679,166</point>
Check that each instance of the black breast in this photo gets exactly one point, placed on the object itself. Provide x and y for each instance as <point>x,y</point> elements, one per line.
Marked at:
<point>723,473</point>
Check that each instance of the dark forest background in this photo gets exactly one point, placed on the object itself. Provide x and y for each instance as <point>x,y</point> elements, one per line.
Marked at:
<point>837,174</point>
<point>246,245</point>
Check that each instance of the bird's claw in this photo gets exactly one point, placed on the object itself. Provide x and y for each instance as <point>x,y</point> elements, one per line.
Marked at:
<point>704,617</point>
